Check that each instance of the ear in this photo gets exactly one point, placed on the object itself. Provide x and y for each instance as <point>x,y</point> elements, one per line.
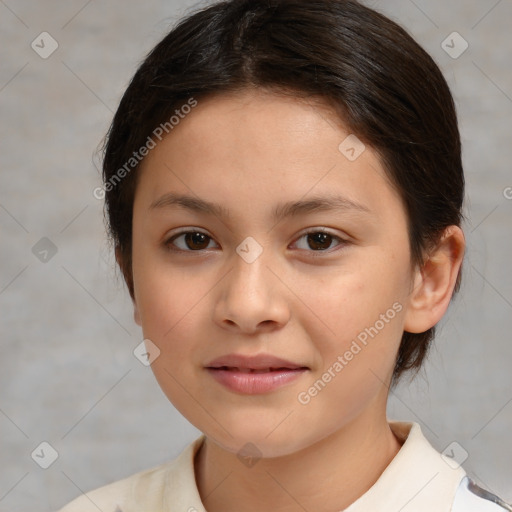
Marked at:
<point>435,281</point>
<point>127,274</point>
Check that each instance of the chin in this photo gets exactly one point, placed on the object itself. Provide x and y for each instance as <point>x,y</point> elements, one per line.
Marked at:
<point>258,439</point>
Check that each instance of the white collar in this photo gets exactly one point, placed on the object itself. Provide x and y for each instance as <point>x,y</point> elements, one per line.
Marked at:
<point>418,479</point>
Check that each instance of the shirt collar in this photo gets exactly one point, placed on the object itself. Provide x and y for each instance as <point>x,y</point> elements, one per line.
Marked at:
<point>418,479</point>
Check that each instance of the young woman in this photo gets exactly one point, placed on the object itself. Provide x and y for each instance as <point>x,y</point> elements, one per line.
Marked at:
<point>284,186</point>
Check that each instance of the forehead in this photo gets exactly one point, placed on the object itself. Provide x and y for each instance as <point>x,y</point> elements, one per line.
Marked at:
<point>257,116</point>
<point>254,147</point>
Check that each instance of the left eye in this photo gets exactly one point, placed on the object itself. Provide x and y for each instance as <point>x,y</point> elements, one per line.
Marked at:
<point>319,240</point>
<point>195,241</point>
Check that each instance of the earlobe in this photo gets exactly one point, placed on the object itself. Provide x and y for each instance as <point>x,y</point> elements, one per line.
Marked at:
<point>434,282</point>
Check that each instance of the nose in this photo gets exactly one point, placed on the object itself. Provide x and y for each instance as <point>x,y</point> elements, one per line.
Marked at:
<point>252,298</point>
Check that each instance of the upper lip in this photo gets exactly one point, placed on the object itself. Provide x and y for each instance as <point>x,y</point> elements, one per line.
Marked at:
<point>257,362</point>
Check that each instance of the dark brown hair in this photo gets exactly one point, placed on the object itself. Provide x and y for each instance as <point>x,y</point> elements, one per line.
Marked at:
<point>386,88</point>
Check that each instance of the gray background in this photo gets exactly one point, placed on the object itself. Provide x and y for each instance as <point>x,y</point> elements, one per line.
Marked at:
<point>68,375</point>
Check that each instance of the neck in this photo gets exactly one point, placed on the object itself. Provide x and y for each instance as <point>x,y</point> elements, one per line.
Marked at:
<point>328,475</point>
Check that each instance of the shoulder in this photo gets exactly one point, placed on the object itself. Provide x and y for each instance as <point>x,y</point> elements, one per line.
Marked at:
<point>121,496</point>
<point>150,490</point>
<point>472,498</point>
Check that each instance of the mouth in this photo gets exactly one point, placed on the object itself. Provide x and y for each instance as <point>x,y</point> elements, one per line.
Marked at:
<point>254,363</point>
<point>255,370</point>
<point>251,375</point>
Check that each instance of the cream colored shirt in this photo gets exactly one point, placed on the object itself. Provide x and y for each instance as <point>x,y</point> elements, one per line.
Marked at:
<point>418,479</point>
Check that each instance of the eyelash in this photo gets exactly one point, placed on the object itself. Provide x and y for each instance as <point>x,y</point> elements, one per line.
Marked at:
<point>341,241</point>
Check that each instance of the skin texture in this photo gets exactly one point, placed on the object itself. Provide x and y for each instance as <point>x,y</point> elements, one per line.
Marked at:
<point>249,152</point>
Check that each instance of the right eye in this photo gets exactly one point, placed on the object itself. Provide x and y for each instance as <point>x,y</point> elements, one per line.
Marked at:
<point>191,241</point>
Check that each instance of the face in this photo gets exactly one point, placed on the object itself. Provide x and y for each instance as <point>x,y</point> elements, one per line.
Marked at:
<point>322,285</point>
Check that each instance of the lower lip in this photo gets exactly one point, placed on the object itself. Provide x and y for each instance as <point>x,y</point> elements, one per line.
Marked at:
<point>255,383</point>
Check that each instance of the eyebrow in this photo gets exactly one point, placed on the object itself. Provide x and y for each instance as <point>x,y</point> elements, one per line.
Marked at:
<point>280,211</point>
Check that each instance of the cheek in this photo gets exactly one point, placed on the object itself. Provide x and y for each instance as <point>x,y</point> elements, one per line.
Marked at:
<point>172,313</point>
<point>358,357</point>
<point>162,294</point>
<point>167,299</point>
<point>364,311</point>
<point>354,297</point>
<point>168,303</point>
